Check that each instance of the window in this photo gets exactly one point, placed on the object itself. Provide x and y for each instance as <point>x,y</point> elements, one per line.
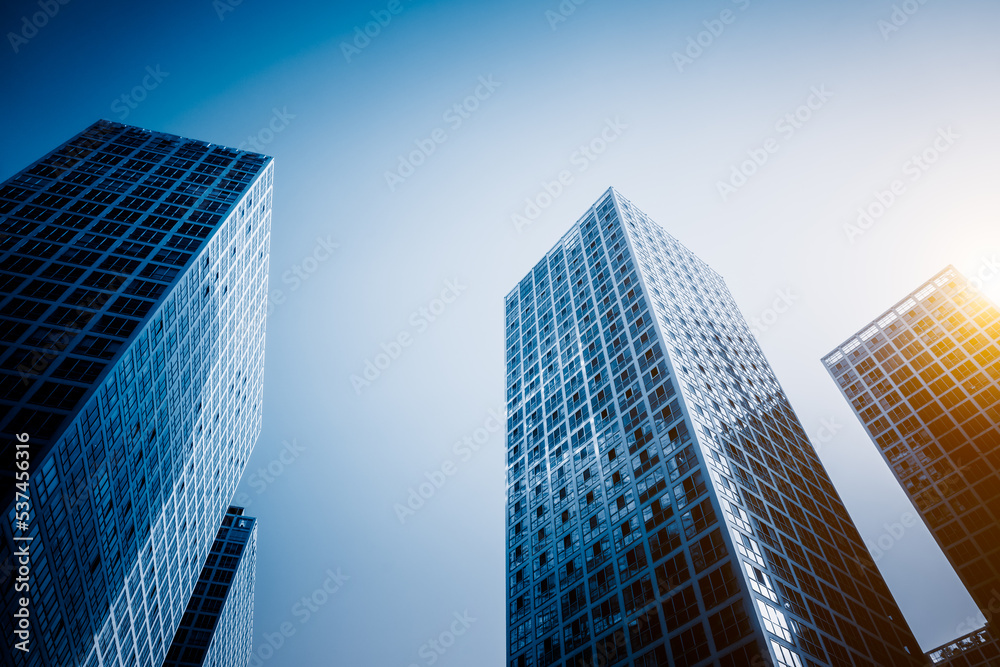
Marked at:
<point>597,553</point>
<point>606,614</point>
<point>689,489</point>
<point>602,582</point>
<point>760,582</point>
<point>593,527</point>
<point>130,306</point>
<point>574,601</point>
<point>622,505</point>
<point>730,625</point>
<point>690,647</point>
<point>785,657</point>
<point>664,541</point>
<point>657,512</point>
<point>114,326</point>
<point>644,630</point>
<point>809,640</point>
<point>611,649</point>
<point>680,608</point>
<point>546,620</point>
<point>78,370</point>
<point>681,462</point>
<point>626,533</point>
<point>655,658</point>
<point>520,635</point>
<point>707,551</point>
<point>699,518</point>
<point>576,632</point>
<point>632,562</point>
<point>637,595</point>
<point>793,600</point>
<point>774,621</point>
<point>718,586</point>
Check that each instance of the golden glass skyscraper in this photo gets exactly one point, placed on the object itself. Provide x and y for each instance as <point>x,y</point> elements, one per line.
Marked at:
<point>924,379</point>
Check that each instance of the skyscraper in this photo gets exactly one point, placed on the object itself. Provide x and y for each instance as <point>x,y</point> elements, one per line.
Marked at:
<point>217,627</point>
<point>134,276</point>
<point>664,506</point>
<point>924,378</point>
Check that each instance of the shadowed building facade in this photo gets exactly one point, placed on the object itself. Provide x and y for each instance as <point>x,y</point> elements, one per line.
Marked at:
<point>133,279</point>
<point>924,379</point>
<point>217,627</point>
<point>976,649</point>
<point>664,506</point>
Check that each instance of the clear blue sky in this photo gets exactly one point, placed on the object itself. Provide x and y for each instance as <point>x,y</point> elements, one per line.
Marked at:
<point>357,254</point>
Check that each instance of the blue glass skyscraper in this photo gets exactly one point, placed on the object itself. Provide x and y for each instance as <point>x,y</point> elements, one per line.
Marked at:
<point>664,506</point>
<point>217,627</point>
<point>133,280</point>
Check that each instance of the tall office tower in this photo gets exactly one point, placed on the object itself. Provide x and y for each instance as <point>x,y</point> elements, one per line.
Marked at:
<point>664,506</point>
<point>134,276</point>
<point>217,627</point>
<point>924,378</point>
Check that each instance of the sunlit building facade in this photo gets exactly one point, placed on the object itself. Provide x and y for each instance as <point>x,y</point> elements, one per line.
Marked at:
<point>217,627</point>
<point>133,297</point>
<point>664,506</point>
<point>924,379</point>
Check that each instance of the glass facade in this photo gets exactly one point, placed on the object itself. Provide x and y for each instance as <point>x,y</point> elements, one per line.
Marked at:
<point>133,280</point>
<point>924,379</point>
<point>664,506</point>
<point>217,627</point>
<point>977,649</point>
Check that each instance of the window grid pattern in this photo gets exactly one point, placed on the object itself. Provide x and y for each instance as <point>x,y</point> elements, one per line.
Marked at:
<point>217,627</point>
<point>618,444</point>
<point>786,521</point>
<point>133,468</point>
<point>924,379</point>
<point>977,649</point>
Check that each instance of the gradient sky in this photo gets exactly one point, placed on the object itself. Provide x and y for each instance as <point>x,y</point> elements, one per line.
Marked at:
<point>231,72</point>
